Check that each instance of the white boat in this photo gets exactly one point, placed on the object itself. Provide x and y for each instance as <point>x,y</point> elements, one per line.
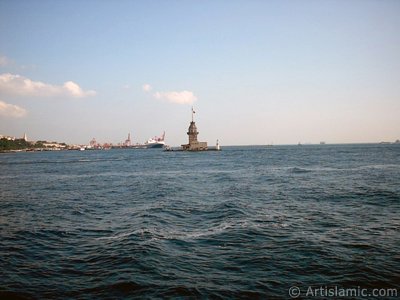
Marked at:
<point>155,142</point>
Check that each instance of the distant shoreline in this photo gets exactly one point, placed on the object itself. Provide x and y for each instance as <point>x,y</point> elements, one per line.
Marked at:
<point>13,151</point>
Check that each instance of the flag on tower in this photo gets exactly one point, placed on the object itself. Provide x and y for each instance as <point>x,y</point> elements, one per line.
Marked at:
<point>193,112</point>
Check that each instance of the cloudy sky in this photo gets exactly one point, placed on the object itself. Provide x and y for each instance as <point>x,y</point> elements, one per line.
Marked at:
<point>257,72</point>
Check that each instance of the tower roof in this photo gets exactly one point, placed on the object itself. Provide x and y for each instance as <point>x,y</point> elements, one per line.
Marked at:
<point>192,126</point>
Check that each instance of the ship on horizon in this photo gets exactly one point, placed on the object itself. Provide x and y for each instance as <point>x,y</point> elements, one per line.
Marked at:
<point>155,142</point>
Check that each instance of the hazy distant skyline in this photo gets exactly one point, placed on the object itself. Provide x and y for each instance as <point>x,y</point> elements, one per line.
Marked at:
<point>257,72</point>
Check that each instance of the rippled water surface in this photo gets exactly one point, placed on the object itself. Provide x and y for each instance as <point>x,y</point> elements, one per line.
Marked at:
<point>246,222</point>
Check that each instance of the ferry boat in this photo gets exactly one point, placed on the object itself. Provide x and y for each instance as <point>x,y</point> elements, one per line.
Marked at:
<point>155,142</point>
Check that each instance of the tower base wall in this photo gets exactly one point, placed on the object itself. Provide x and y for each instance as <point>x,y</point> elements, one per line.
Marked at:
<point>195,146</point>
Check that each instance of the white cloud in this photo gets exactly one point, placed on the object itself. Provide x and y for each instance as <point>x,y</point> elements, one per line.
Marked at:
<point>76,90</point>
<point>146,87</point>
<point>11,110</point>
<point>183,97</point>
<point>22,86</point>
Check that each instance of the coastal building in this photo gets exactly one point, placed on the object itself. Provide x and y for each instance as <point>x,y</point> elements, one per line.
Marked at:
<point>194,144</point>
<point>54,145</point>
<point>13,138</point>
<point>7,137</point>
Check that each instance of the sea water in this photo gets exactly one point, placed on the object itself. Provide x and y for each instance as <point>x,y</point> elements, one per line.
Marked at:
<point>245,222</point>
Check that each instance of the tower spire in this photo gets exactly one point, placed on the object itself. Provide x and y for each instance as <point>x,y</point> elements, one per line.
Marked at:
<point>193,112</point>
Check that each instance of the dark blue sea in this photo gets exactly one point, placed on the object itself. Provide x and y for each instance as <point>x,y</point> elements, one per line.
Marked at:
<point>242,223</point>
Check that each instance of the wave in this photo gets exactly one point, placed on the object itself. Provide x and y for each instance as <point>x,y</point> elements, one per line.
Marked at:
<point>297,170</point>
<point>155,234</point>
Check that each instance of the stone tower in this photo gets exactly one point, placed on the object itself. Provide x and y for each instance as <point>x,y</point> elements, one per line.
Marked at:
<point>194,144</point>
<point>192,132</point>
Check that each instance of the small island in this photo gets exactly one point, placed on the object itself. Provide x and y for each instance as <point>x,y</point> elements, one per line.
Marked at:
<point>194,144</point>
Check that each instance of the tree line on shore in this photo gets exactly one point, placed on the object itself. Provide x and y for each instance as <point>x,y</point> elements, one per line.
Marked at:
<point>19,144</point>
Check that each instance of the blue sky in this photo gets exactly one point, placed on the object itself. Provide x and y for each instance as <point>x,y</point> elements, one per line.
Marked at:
<point>257,72</point>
